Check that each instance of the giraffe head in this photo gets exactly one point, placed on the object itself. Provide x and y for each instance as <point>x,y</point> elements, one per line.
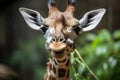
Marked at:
<point>61,28</point>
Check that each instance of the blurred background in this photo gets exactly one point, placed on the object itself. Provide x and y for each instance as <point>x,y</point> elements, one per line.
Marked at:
<point>22,52</point>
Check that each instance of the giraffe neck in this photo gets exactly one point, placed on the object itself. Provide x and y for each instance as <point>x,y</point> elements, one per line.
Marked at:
<point>59,64</point>
<point>59,68</point>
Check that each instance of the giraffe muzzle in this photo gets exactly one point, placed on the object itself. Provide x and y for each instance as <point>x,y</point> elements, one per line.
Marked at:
<point>57,47</point>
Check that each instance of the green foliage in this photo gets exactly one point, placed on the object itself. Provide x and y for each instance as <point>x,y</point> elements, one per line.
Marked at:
<point>31,57</point>
<point>101,53</point>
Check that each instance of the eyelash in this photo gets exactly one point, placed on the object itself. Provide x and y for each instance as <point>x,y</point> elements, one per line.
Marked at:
<point>75,26</point>
<point>45,25</point>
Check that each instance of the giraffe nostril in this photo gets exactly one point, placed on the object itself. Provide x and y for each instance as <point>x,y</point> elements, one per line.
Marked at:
<point>54,39</point>
<point>61,39</point>
<point>58,39</point>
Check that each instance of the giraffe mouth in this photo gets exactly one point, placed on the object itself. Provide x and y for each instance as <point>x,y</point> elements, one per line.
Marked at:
<point>59,52</point>
<point>57,48</point>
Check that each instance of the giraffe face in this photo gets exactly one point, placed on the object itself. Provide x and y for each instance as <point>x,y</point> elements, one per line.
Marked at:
<point>61,31</point>
<point>61,28</point>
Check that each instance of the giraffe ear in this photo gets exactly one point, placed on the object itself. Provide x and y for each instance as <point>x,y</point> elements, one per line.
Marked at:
<point>91,19</point>
<point>32,18</point>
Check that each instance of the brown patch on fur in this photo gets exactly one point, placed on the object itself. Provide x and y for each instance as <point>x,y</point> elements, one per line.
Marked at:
<point>51,78</point>
<point>55,62</point>
<point>68,73</point>
<point>54,69</point>
<point>67,64</point>
<point>61,72</point>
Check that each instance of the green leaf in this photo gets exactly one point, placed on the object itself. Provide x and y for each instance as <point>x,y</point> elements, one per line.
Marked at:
<point>104,35</point>
<point>90,36</point>
<point>116,34</point>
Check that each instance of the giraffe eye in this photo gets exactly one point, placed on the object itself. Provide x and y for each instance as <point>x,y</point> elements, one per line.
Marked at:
<point>77,29</point>
<point>44,28</point>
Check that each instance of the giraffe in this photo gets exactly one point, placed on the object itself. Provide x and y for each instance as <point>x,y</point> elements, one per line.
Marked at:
<point>61,29</point>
